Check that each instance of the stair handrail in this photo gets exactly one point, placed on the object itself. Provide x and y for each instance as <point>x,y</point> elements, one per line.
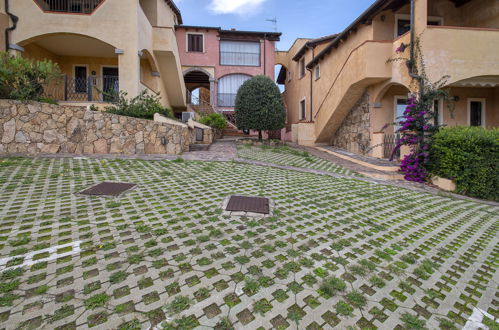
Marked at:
<point>202,107</point>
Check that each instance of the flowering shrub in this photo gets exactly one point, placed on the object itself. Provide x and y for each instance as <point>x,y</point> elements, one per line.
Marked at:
<point>418,123</point>
<point>415,126</point>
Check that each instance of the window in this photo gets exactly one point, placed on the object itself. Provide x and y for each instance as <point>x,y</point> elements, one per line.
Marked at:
<point>301,65</point>
<point>242,53</point>
<point>303,109</point>
<point>476,112</point>
<point>228,87</point>
<point>317,72</point>
<point>195,42</point>
<point>400,106</point>
<point>438,113</point>
<point>403,23</point>
<point>80,79</point>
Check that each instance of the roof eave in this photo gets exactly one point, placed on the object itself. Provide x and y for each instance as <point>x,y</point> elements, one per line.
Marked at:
<point>175,9</point>
<point>373,9</point>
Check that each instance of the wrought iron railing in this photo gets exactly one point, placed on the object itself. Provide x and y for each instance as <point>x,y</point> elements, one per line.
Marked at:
<point>69,6</point>
<point>199,105</point>
<point>89,89</point>
<point>231,117</point>
<point>389,143</point>
<point>239,58</point>
<point>226,100</point>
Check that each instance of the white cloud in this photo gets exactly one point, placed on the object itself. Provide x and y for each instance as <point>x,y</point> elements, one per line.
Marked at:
<point>240,7</point>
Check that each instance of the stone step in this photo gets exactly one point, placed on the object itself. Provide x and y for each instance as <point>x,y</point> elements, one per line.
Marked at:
<point>199,147</point>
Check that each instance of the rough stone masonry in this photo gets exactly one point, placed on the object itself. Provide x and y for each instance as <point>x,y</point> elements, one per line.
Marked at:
<point>33,128</point>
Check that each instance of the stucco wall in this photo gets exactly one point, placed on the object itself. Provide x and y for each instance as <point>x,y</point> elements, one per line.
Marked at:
<point>298,88</point>
<point>386,113</point>
<point>4,23</point>
<point>121,24</point>
<point>459,115</point>
<point>456,115</point>
<point>211,55</point>
<point>42,128</point>
<point>354,132</point>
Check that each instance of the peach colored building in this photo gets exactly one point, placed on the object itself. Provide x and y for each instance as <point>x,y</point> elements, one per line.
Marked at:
<point>216,62</point>
<point>354,91</point>
<point>100,45</point>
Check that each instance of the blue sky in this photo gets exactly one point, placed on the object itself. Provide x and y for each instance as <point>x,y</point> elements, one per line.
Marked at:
<point>295,18</point>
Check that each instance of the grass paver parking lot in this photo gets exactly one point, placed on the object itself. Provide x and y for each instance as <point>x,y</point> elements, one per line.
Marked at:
<point>337,252</point>
<point>287,156</point>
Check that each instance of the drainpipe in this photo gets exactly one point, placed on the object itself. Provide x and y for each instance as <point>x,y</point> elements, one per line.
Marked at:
<point>264,54</point>
<point>14,19</point>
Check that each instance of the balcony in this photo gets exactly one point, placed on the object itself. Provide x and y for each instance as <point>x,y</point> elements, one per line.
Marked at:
<point>69,6</point>
<point>460,52</point>
<point>226,100</point>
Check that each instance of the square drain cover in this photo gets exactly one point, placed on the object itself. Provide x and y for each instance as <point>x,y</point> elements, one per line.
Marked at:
<point>248,204</point>
<point>108,189</point>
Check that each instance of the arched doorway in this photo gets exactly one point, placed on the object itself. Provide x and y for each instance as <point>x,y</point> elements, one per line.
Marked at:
<point>197,83</point>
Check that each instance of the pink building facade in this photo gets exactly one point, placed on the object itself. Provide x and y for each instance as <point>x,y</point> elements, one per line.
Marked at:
<point>216,62</point>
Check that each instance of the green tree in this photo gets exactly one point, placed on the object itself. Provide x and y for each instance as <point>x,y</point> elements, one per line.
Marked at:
<point>259,106</point>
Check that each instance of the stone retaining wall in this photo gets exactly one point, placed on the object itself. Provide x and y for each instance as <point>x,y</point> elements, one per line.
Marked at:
<point>354,132</point>
<point>43,128</point>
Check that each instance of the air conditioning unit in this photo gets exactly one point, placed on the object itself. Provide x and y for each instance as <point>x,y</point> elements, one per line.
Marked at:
<point>188,115</point>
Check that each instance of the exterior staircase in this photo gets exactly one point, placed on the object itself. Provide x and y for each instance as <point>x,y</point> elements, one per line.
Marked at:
<point>199,106</point>
<point>230,131</point>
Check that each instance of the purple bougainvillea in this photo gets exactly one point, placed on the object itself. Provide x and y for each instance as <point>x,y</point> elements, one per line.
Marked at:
<point>414,127</point>
<point>419,122</point>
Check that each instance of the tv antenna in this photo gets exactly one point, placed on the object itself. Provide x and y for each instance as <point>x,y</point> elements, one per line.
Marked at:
<point>273,21</point>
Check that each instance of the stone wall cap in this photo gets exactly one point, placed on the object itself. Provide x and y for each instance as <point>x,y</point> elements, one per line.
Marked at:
<point>192,124</point>
<point>165,120</point>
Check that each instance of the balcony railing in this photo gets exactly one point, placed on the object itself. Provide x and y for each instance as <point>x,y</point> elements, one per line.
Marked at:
<point>226,100</point>
<point>89,89</point>
<point>69,6</point>
<point>239,58</point>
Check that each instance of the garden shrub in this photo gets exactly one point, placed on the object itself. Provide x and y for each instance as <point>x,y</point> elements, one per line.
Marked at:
<point>259,106</point>
<point>470,157</point>
<point>143,105</point>
<point>24,79</point>
<point>215,121</point>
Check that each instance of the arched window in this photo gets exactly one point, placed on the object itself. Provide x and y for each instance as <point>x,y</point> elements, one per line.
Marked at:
<point>228,87</point>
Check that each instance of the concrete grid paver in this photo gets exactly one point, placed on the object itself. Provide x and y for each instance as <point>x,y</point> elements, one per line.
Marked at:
<point>403,251</point>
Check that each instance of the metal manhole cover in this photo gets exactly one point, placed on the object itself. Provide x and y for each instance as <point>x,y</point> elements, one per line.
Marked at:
<point>108,189</point>
<point>248,204</point>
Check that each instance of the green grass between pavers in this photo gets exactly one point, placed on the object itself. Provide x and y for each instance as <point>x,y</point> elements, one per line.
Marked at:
<point>284,155</point>
<point>165,250</point>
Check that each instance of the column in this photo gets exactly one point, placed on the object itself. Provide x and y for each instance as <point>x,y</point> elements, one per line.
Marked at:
<point>213,93</point>
<point>377,141</point>
<point>129,71</point>
<point>421,16</point>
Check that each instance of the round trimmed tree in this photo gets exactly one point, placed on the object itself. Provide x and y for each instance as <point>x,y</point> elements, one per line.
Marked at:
<point>259,106</point>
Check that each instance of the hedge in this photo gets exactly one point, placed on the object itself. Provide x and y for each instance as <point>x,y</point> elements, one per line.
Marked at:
<point>470,157</point>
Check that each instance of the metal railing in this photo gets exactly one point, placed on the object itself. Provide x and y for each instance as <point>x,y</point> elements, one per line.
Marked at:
<point>389,143</point>
<point>239,58</point>
<point>89,89</point>
<point>226,100</point>
<point>231,117</point>
<point>69,6</point>
<point>199,105</point>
